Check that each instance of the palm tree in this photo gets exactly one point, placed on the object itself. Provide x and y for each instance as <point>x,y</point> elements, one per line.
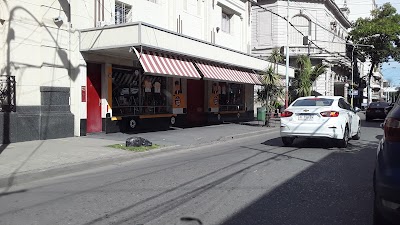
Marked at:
<point>270,91</point>
<point>305,76</point>
<point>275,57</point>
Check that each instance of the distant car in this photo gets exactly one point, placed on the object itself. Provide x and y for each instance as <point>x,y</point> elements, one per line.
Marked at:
<point>320,117</point>
<point>387,171</point>
<point>390,107</point>
<point>376,110</point>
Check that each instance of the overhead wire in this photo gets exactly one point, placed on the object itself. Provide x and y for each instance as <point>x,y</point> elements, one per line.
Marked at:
<point>316,23</point>
<point>295,28</point>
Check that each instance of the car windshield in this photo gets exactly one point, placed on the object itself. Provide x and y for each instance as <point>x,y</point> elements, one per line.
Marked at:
<point>378,105</point>
<point>314,102</point>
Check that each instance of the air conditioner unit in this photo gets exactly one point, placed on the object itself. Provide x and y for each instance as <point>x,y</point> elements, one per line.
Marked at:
<point>101,23</point>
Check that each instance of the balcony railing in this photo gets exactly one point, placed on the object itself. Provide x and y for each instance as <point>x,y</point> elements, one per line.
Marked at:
<point>7,93</point>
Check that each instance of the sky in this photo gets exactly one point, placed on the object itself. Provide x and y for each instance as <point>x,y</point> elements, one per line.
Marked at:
<point>391,70</point>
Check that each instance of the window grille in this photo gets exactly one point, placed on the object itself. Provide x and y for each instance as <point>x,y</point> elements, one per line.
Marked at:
<point>123,13</point>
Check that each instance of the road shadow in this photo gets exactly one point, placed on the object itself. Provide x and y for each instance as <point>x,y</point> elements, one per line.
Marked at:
<point>13,192</point>
<point>373,123</point>
<point>3,147</point>
<point>303,143</point>
<point>336,190</point>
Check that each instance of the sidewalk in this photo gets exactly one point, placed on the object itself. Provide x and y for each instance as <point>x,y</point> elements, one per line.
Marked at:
<point>28,161</point>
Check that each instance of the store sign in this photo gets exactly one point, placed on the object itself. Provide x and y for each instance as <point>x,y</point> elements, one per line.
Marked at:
<point>355,92</point>
<point>83,93</point>
<point>178,100</point>
<point>214,101</point>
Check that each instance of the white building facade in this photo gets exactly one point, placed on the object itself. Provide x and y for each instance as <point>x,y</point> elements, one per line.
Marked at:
<point>108,66</point>
<point>323,22</point>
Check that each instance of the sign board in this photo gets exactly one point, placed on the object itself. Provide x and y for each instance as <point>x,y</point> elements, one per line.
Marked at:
<point>355,93</point>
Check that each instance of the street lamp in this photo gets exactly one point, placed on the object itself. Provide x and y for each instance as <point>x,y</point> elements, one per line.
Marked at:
<point>352,63</point>
<point>352,68</point>
<point>287,58</point>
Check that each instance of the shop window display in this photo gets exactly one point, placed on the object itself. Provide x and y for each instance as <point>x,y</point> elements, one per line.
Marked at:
<point>132,98</point>
<point>154,89</point>
<point>231,96</point>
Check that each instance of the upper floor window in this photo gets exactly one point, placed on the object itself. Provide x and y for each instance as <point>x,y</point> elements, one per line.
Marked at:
<point>122,13</point>
<point>226,22</point>
<point>303,25</point>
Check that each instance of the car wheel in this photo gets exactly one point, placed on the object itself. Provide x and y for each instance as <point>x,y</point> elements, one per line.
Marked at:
<point>358,135</point>
<point>287,141</point>
<point>342,143</point>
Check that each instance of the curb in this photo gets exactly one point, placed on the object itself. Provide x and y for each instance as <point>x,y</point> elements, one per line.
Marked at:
<point>34,175</point>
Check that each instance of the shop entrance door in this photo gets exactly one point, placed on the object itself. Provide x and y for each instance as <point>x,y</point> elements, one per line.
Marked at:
<point>93,123</point>
<point>195,102</point>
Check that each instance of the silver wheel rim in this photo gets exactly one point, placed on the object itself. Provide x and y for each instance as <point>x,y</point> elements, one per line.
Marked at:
<point>132,123</point>
<point>173,120</point>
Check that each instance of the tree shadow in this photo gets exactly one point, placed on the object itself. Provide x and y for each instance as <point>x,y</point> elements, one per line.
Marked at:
<point>66,63</point>
<point>341,194</point>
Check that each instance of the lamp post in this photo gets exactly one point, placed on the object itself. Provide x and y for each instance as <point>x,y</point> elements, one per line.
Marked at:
<point>287,58</point>
<point>352,66</point>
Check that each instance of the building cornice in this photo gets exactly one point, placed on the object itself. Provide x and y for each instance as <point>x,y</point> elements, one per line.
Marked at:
<point>331,5</point>
<point>345,21</point>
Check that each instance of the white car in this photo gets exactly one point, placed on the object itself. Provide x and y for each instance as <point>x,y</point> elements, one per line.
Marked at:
<point>320,117</point>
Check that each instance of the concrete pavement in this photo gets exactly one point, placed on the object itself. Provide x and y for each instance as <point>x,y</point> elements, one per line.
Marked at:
<point>248,181</point>
<point>29,161</point>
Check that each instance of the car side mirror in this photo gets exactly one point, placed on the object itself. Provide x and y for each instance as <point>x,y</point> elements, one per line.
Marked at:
<point>356,109</point>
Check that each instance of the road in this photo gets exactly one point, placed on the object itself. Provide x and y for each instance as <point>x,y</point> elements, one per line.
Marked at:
<point>248,181</point>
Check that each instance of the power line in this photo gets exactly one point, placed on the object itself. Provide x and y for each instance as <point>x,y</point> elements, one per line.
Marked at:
<point>319,25</point>
<point>286,19</point>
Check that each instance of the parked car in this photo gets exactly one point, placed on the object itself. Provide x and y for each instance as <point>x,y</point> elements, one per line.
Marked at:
<point>376,110</point>
<point>387,171</point>
<point>320,117</point>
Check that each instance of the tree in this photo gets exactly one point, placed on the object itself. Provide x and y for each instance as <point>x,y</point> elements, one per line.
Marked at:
<point>305,75</point>
<point>276,57</point>
<point>271,90</point>
<point>382,31</point>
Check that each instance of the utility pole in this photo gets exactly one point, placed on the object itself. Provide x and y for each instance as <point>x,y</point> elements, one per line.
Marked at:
<point>287,57</point>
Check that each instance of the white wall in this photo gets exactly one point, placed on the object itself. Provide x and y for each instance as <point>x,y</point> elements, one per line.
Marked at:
<point>269,31</point>
<point>198,19</point>
<point>37,50</point>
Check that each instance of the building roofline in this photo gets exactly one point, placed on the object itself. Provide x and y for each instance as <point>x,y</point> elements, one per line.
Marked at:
<point>343,17</point>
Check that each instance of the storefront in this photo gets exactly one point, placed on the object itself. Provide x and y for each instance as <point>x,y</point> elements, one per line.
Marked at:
<point>229,92</point>
<point>177,90</point>
<point>157,77</point>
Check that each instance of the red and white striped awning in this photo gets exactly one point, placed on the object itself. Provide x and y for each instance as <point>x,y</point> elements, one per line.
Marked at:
<point>257,78</point>
<point>165,64</point>
<point>224,73</point>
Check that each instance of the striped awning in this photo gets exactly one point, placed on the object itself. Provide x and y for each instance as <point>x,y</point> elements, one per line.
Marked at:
<point>257,78</point>
<point>164,64</point>
<point>224,73</point>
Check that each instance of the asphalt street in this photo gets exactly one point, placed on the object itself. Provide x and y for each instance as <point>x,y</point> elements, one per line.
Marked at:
<point>253,180</point>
